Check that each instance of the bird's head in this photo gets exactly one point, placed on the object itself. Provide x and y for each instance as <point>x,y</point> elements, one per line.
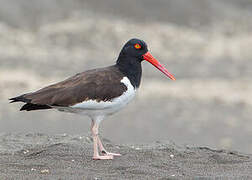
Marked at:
<point>134,48</point>
<point>137,50</point>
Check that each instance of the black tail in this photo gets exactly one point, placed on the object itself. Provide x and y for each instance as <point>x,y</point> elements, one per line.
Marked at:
<point>28,106</point>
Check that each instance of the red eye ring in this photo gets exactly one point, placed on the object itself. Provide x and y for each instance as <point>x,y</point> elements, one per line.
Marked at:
<point>137,46</point>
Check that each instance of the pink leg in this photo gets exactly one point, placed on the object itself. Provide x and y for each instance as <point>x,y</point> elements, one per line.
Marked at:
<point>103,150</point>
<point>94,129</point>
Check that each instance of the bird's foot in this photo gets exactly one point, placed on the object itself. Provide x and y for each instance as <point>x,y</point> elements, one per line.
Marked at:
<point>104,157</point>
<point>110,154</point>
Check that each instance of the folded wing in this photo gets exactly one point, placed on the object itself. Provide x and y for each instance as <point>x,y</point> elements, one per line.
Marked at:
<point>90,85</point>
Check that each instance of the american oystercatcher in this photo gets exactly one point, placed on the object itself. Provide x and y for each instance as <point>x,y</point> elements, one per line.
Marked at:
<point>96,93</point>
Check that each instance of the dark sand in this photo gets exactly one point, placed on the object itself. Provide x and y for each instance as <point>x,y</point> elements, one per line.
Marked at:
<point>40,156</point>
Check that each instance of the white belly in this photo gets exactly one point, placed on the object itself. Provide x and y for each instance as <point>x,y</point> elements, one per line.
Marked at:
<point>94,108</point>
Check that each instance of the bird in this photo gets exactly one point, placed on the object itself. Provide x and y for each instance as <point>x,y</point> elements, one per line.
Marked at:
<point>96,93</point>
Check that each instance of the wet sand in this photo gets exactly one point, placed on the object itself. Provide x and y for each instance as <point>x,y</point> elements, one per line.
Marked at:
<point>41,156</point>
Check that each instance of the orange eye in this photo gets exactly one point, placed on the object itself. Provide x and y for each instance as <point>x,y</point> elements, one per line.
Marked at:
<point>137,46</point>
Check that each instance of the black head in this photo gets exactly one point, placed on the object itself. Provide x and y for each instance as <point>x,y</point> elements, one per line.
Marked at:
<point>134,48</point>
<point>130,58</point>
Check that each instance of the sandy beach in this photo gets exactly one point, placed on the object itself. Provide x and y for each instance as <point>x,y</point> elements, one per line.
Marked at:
<point>41,156</point>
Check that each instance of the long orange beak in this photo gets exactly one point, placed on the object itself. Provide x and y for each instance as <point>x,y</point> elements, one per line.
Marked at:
<point>148,57</point>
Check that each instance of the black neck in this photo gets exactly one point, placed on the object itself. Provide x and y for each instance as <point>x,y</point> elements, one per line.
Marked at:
<point>130,67</point>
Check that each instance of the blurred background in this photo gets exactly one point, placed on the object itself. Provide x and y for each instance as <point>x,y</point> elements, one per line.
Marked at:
<point>205,43</point>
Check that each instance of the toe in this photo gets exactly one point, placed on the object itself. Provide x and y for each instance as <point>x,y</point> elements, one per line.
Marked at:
<point>103,157</point>
<point>111,154</point>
